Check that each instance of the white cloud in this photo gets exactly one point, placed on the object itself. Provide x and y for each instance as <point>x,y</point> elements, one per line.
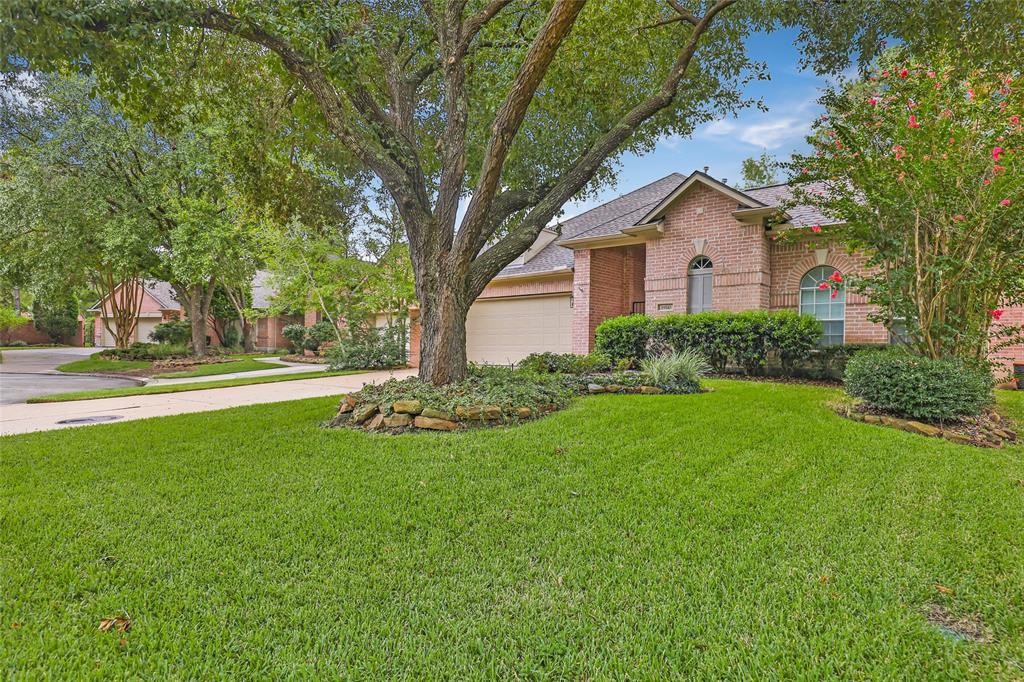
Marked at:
<point>765,130</point>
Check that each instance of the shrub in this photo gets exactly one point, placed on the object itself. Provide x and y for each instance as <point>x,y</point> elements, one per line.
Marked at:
<point>296,335</point>
<point>320,333</point>
<point>146,351</point>
<point>368,349</point>
<point>18,343</point>
<point>56,318</point>
<point>175,332</point>
<point>829,362</point>
<point>918,387</point>
<point>623,338</point>
<point>679,372</point>
<point>9,321</point>
<point>796,337</point>
<point>565,363</point>
<point>90,332</point>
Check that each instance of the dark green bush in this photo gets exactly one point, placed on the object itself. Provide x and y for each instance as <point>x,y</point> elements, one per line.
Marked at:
<point>296,335</point>
<point>319,334</point>
<point>368,349</point>
<point>917,387</point>
<point>146,351</point>
<point>176,332</point>
<point>565,363</point>
<point>796,337</point>
<point>623,338</point>
<point>829,362</point>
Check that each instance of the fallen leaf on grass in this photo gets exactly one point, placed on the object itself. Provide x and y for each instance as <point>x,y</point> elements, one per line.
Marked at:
<point>824,579</point>
<point>943,589</point>
<point>15,626</point>
<point>120,623</point>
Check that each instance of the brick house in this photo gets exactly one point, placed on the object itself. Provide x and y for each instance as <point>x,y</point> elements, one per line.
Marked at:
<point>680,244</point>
<point>159,304</point>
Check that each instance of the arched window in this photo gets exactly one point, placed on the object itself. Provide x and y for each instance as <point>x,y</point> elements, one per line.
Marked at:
<point>819,301</point>
<point>698,285</point>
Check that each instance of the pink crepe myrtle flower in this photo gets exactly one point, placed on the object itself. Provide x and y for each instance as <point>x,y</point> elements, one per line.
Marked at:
<point>873,101</point>
<point>986,182</point>
<point>996,169</point>
<point>931,74</point>
<point>835,292</point>
<point>836,277</point>
<point>959,218</point>
<point>1005,202</point>
<point>970,94</point>
<point>996,314</point>
<point>996,153</point>
<point>904,73</point>
<point>913,122</point>
<point>938,85</point>
<point>815,228</point>
<point>1015,119</point>
<point>823,286</point>
<point>898,151</point>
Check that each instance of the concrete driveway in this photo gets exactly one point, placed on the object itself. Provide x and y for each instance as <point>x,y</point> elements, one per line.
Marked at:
<point>33,372</point>
<point>45,416</point>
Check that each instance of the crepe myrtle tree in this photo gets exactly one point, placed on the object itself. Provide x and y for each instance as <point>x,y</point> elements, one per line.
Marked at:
<point>921,164</point>
<point>512,107</point>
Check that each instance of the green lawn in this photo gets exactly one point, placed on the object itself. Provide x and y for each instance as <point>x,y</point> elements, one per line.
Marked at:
<point>180,388</point>
<point>241,365</point>
<point>98,365</point>
<point>746,533</point>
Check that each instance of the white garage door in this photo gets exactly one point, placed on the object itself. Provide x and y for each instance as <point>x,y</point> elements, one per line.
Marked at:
<point>507,330</point>
<point>144,328</point>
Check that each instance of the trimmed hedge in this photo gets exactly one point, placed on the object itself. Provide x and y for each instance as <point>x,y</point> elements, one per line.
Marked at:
<point>745,339</point>
<point>918,387</point>
<point>624,338</point>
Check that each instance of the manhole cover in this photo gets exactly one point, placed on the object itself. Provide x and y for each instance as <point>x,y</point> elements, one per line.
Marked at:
<point>91,420</point>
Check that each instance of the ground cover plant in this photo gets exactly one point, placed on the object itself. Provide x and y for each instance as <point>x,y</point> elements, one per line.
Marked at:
<point>97,363</point>
<point>181,388</point>
<point>725,535</point>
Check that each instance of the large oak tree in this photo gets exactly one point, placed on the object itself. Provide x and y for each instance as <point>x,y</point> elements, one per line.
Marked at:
<point>507,107</point>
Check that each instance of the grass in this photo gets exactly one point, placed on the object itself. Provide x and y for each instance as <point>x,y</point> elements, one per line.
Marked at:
<point>98,365</point>
<point>228,367</point>
<point>181,388</point>
<point>744,533</point>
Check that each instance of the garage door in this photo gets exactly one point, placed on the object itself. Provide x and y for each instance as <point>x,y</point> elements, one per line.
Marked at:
<point>507,330</point>
<point>144,328</point>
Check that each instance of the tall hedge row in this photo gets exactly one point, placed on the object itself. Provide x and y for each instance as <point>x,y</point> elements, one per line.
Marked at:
<point>745,339</point>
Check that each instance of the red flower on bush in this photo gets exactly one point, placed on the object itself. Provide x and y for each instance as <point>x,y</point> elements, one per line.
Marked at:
<point>815,228</point>
<point>959,218</point>
<point>1005,202</point>
<point>996,314</point>
<point>1015,119</point>
<point>996,153</point>
<point>904,73</point>
<point>899,152</point>
<point>913,122</point>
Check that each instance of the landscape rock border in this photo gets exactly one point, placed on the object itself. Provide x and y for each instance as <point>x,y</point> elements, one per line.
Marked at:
<point>403,416</point>
<point>988,430</point>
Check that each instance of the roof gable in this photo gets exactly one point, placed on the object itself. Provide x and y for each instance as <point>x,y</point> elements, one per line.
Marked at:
<point>659,211</point>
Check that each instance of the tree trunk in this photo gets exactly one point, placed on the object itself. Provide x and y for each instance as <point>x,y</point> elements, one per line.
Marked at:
<point>248,343</point>
<point>198,319</point>
<point>443,335</point>
<point>17,301</point>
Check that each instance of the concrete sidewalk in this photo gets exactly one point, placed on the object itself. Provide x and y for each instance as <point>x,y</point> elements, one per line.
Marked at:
<point>24,418</point>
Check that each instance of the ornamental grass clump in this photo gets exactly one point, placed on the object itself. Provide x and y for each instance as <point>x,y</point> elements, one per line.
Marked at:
<point>678,372</point>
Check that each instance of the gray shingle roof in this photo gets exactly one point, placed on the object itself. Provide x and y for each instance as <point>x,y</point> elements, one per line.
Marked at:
<point>624,211</point>
<point>608,218</point>
<point>163,293</point>
<point>801,215</point>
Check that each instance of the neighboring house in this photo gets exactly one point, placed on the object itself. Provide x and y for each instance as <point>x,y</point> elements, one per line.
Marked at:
<point>160,305</point>
<point>680,244</point>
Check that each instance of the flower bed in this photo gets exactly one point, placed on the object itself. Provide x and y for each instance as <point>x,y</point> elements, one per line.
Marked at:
<point>989,429</point>
<point>490,396</point>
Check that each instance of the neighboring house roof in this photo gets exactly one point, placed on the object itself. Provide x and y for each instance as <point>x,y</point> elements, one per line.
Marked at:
<point>163,293</point>
<point>262,292</point>
<point>647,204</point>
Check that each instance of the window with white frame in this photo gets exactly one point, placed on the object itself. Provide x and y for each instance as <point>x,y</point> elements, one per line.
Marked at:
<point>825,298</point>
<point>699,278</point>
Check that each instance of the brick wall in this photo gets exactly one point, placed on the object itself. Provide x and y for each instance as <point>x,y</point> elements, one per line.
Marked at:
<point>1012,355</point>
<point>606,282</point>
<point>701,223</point>
<point>790,261</point>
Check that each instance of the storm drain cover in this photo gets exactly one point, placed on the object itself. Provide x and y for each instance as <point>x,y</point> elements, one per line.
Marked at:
<point>91,420</point>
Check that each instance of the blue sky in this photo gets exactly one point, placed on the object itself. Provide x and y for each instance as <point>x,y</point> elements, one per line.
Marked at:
<point>791,97</point>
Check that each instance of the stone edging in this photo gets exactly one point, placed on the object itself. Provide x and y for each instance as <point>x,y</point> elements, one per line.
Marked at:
<point>994,437</point>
